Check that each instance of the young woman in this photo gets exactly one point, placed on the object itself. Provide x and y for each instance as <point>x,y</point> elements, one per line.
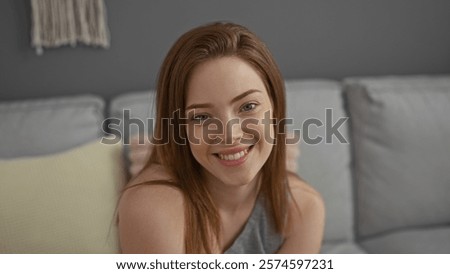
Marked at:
<point>216,181</point>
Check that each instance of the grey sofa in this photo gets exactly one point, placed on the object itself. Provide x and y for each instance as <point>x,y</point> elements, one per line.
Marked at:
<point>385,179</point>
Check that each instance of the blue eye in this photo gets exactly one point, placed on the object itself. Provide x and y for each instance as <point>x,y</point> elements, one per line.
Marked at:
<point>248,107</point>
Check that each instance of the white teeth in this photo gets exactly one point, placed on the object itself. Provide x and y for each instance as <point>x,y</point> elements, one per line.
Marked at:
<point>235,156</point>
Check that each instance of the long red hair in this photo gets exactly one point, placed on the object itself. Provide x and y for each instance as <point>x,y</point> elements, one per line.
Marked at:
<point>202,222</point>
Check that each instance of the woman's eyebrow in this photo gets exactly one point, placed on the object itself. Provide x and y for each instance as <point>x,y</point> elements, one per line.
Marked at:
<point>206,105</point>
<point>240,96</point>
<point>235,99</point>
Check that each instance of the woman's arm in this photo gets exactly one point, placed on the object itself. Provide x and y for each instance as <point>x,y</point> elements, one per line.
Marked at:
<point>306,223</point>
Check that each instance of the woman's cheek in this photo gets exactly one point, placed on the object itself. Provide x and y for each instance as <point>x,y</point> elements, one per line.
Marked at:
<point>194,134</point>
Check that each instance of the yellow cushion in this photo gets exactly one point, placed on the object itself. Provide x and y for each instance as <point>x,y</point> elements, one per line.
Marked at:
<point>61,203</point>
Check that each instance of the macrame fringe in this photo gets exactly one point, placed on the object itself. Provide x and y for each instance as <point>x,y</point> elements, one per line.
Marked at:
<point>67,22</point>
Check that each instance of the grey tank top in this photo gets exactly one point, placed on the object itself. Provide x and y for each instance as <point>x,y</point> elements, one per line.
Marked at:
<point>259,235</point>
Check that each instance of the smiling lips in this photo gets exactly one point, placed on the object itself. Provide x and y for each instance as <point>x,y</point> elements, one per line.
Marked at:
<point>234,157</point>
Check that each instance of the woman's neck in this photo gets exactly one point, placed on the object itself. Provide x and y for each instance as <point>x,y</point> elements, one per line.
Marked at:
<point>231,199</point>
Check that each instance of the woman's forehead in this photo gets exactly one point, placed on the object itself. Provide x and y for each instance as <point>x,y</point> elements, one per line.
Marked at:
<point>222,79</point>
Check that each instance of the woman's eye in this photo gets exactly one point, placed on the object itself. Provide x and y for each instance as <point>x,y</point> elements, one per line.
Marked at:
<point>248,107</point>
<point>199,117</point>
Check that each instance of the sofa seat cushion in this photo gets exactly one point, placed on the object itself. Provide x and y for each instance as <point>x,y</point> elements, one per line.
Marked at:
<point>325,165</point>
<point>46,126</point>
<point>61,203</point>
<point>421,241</point>
<point>400,136</point>
<point>346,247</point>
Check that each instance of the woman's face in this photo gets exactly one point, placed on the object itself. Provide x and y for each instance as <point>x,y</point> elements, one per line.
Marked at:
<point>228,110</point>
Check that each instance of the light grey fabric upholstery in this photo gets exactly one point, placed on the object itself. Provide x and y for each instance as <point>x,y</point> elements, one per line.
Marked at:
<point>325,166</point>
<point>421,240</point>
<point>140,106</point>
<point>346,247</point>
<point>400,130</point>
<point>45,126</point>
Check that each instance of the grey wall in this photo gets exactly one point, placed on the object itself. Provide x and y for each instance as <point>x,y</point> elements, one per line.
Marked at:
<point>309,39</point>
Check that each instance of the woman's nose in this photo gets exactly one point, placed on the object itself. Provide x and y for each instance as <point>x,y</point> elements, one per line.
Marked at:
<point>232,131</point>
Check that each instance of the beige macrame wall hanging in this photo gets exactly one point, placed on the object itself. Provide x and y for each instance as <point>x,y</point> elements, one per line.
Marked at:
<point>67,22</point>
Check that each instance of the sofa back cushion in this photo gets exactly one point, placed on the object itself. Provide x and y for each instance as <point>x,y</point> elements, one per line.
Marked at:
<point>131,114</point>
<point>326,166</point>
<point>45,126</point>
<point>400,133</point>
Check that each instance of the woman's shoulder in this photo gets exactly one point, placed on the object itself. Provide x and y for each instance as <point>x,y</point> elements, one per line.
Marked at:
<point>154,172</point>
<point>306,218</point>
<point>151,216</point>
<point>153,182</point>
<point>302,192</point>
